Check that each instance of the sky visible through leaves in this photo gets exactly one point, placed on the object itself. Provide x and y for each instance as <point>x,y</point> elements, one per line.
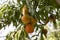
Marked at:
<point>3,32</point>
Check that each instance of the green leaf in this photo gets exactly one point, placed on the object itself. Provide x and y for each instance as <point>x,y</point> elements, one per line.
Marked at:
<point>18,1</point>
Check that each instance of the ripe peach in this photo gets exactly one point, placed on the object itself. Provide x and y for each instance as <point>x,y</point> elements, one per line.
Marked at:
<point>33,21</point>
<point>45,31</point>
<point>25,10</point>
<point>29,28</point>
<point>26,19</point>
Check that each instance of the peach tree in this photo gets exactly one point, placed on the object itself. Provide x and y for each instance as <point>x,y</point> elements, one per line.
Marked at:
<point>32,18</point>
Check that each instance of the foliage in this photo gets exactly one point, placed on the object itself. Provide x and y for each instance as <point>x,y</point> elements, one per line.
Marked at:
<point>43,10</point>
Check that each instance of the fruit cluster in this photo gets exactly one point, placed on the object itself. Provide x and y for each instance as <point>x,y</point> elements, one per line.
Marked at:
<point>28,20</point>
